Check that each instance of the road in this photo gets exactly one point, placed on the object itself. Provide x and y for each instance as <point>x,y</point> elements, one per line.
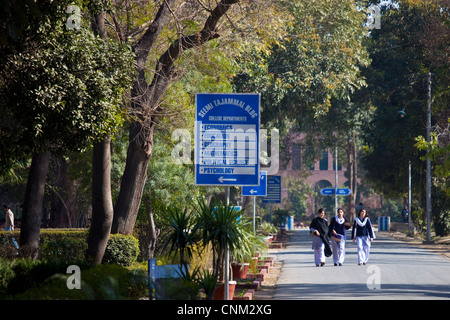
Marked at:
<point>396,270</point>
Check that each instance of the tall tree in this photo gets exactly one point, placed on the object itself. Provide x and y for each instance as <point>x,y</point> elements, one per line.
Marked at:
<point>307,80</point>
<point>403,51</point>
<point>202,21</point>
<point>61,90</point>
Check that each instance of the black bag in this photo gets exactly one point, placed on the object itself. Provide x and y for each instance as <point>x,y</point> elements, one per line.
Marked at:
<point>327,250</point>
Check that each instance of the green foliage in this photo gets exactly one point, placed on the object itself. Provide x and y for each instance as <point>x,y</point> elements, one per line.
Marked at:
<point>441,208</point>
<point>403,51</point>
<point>61,245</point>
<point>319,61</point>
<point>121,249</point>
<point>99,282</point>
<point>70,84</point>
<point>69,246</point>
<point>182,236</point>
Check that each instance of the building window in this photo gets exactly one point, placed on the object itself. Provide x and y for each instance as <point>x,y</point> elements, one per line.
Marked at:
<point>296,154</point>
<point>323,163</point>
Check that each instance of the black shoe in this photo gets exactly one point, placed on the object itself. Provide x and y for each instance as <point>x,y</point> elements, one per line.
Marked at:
<point>322,264</point>
<point>340,264</point>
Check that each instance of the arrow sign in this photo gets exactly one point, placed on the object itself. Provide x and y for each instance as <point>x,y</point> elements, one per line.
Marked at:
<point>340,191</point>
<point>327,191</point>
<point>343,192</point>
<point>260,190</point>
<point>222,179</point>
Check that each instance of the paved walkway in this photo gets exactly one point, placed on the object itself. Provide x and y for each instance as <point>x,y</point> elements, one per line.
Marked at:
<point>396,270</point>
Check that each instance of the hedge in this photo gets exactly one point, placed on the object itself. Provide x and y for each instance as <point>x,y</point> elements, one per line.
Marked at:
<point>69,245</point>
<point>39,279</point>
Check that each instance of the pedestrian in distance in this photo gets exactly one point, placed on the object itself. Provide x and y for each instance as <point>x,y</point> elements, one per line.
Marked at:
<point>363,235</point>
<point>319,232</point>
<point>9,216</point>
<point>337,232</point>
<point>9,223</point>
<point>405,214</point>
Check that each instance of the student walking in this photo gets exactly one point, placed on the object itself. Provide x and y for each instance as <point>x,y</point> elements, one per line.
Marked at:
<point>363,234</point>
<point>337,232</point>
<point>319,232</point>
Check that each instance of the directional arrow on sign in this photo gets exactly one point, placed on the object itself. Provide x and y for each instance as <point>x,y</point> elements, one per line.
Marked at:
<point>343,192</point>
<point>327,191</point>
<point>222,179</point>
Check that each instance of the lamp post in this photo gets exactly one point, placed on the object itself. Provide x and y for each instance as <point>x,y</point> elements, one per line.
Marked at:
<point>428,241</point>
<point>402,114</point>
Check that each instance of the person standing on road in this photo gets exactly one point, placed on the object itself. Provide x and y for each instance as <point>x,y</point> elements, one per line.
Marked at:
<point>319,230</point>
<point>363,234</point>
<point>337,232</point>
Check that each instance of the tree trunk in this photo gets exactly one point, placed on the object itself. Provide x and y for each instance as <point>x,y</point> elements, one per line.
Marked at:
<point>63,195</point>
<point>134,178</point>
<point>352,177</point>
<point>102,207</point>
<point>146,107</point>
<point>32,208</point>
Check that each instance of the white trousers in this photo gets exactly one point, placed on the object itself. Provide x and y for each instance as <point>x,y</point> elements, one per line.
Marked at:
<point>318,246</point>
<point>338,251</point>
<point>363,244</point>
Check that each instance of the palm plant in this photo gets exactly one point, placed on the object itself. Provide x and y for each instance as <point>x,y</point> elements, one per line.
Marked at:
<point>222,227</point>
<point>183,234</point>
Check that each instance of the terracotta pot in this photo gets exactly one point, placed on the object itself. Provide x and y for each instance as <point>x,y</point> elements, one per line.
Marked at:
<point>219,294</point>
<point>240,270</point>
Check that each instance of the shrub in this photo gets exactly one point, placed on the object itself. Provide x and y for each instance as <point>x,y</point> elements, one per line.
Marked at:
<point>121,249</point>
<point>101,282</point>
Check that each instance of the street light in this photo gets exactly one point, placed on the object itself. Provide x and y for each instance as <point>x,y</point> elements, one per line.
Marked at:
<point>402,115</point>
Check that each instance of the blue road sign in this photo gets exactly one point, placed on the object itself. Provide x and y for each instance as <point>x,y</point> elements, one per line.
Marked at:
<point>327,191</point>
<point>273,190</point>
<point>260,190</point>
<point>227,139</point>
<point>343,192</point>
<point>340,191</point>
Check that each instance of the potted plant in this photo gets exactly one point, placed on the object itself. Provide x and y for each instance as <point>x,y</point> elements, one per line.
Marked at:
<point>250,244</point>
<point>221,227</point>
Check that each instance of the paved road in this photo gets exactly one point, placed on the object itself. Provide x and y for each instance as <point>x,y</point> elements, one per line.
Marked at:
<point>396,270</point>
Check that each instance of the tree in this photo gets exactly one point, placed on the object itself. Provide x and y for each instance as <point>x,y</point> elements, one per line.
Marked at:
<point>202,24</point>
<point>309,79</point>
<point>61,90</point>
<point>398,86</point>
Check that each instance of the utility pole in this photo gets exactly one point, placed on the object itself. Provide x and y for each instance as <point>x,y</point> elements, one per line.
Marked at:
<point>428,205</point>
<point>335,179</point>
<point>410,232</point>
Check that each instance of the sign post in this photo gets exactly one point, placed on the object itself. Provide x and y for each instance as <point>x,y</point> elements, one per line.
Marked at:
<point>273,190</point>
<point>254,191</point>
<point>227,143</point>
<point>227,139</point>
